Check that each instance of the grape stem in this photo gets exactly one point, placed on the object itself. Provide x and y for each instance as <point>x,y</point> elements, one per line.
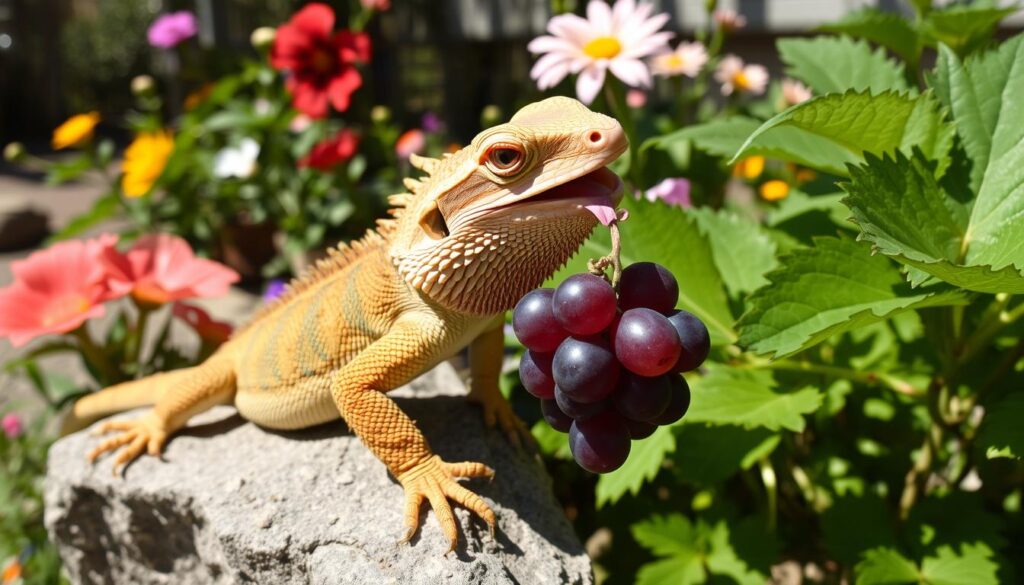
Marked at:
<point>614,258</point>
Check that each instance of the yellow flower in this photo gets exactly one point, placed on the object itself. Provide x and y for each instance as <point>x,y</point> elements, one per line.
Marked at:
<point>144,161</point>
<point>75,130</point>
<point>749,168</point>
<point>774,190</point>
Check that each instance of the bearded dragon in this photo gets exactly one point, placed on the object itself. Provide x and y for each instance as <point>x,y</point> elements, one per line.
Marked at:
<point>483,227</point>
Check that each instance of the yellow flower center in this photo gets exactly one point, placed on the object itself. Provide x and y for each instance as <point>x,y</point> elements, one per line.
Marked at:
<point>149,295</point>
<point>672,61</point>
<point>741,81</point>
<point>603,48</point>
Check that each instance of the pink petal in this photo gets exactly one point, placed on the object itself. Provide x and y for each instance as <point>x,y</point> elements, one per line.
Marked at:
<point>600,17</point>
<point>548,44</point>
<point>571,27</point>
<point>589,82</point>
<point>631,71</point>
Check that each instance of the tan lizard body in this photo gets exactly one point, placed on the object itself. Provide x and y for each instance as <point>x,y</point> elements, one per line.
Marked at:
<point>487,225</point>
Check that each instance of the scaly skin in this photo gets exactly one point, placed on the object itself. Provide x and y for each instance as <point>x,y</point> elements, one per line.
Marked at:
<point>466,243</point>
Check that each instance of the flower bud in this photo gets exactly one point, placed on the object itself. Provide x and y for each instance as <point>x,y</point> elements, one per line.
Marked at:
<point>14,152</point>
<point>380,114</point>
<point>710,5</point>
<point>490,116</point>
<point>263,37</point>
<point>142,84</point>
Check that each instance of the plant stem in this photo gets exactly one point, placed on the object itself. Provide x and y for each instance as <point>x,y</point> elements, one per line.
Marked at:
<point>95,356</point>
<point>771,491</point>
<point>914,480</point>
<point>989,329</point>
<point>134,353</point>
<point>617,102</point>
<point>887,380</point>
<point>613,259</point>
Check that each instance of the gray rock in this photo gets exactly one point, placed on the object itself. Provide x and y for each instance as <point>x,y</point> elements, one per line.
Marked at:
<point>234,503</point>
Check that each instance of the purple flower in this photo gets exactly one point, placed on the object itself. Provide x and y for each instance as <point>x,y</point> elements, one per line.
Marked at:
<point>432,123</point>
<point>172,28</point>
<point>13,426</point>
<point>674,191</point>
<point>275,288</point>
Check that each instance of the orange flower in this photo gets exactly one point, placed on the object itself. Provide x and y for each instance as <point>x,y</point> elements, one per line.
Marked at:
<point>12,572</point>
<point>144,161</point>
<point>75,130</point>
<point>774,190</point>
<point>749,168</point>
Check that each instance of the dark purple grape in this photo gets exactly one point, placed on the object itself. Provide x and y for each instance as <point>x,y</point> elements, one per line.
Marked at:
<point>693,338</point>
<point>554,416</point>
<point>680,402</point>
<point>639,430</point>
<point>575,409</point>
<point>650,285</point>
<point>535,372</point>
<point>640,398</point>
<point>584,304</point>
<point>601,443</point>
<point>646,343</point>
<point>585,368</point>
<point>534,324</point>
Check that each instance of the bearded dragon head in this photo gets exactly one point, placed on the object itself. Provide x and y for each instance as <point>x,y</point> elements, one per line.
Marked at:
<point>495,219</point>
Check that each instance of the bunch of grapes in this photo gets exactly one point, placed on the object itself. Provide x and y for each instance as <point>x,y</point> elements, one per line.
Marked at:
<point>607,368</point>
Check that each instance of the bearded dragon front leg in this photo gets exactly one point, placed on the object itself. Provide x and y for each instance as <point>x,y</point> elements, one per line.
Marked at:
<point>358,389</point>
<point>485,361</point>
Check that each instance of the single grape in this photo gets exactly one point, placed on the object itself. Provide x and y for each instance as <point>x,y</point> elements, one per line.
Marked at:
<point>534,324</point>
<point>584,304</point>
<point>535,372</point>
<point>585,368</point>
<point>641,398</point>
<point>640,430</point>
<point>601,443</point>
<point>646,343</point>
<point>578,410</point>
<point>693,338</point>
<point>680,402</point>
<point>650,285</point>
<point>554,416</point>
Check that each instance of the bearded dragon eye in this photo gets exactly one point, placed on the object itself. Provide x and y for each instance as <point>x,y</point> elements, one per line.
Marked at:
<point>505,160</point>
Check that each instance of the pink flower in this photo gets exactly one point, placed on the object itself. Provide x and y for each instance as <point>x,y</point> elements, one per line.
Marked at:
<point>410,142</point>
<point>687,59</point>
<point>734,75</point>
<point>729,20</point>
<point>378,5</point>
<point>56,290</point>
<point>162,268</point>
<point>794,92</point>
<point>674,191</point>
<point>13,426</point>
<point>208,329</point>
<point>170,29</point>
<point>636,98</point>
<point>612,38</point>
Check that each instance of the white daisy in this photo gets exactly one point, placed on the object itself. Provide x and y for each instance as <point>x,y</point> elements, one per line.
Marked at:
<point>687,59</point>
<point>611,38</point>
<point>237,161</point>
<point>734,75</point>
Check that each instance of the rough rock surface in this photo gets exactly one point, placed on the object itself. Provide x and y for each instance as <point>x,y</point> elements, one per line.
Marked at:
<point>234,503</point>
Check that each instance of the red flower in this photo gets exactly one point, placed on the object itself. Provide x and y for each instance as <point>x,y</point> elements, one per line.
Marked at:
<point>332,151</point>
<point>320,64</point>
<point>209,330</point>
<point>162,268</point>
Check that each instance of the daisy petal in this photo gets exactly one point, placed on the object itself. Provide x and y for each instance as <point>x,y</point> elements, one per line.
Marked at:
<point>589,82</point>
<point>600,17</point>
<point>632,71</point>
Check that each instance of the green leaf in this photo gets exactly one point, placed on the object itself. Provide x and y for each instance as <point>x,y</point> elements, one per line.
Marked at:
<point>665,535</point>
<point>973,566</point>
<point>748,398</point>
<point>904,212</point>
<point>690,551</point>
<point>724,450</point>
<point>829,132</point>
<point>684,569</point>
<point>550,441</point>
<point>743,252</point>
<point>1002,431</point>
<point>644,462</point>
<point>656,232</point>
<point>887,29</point>
<point>830,64</point>
<point>833,287</point>
<point>885,566</point>
<point>719,137</point>
<point>964,28</point>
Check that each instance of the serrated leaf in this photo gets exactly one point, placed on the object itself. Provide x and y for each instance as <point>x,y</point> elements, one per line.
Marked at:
<point>748,398</point>
<point>690,551</point>
<point>832,131</point>
<point>656,232</point>
<point>643,464</point>
<point>665,535</point>
<point>887,29</point>
<point>720,137</point>
<point>1002,431</point>
<point>833,287</point>
<point>885,566</point>
<point>724,450</point>
<point>830,64</point>
<point>904,212</point>
<point>964,28</point>
<point>972,566</point>
<point>679,570</point>
<point>742,251</point>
